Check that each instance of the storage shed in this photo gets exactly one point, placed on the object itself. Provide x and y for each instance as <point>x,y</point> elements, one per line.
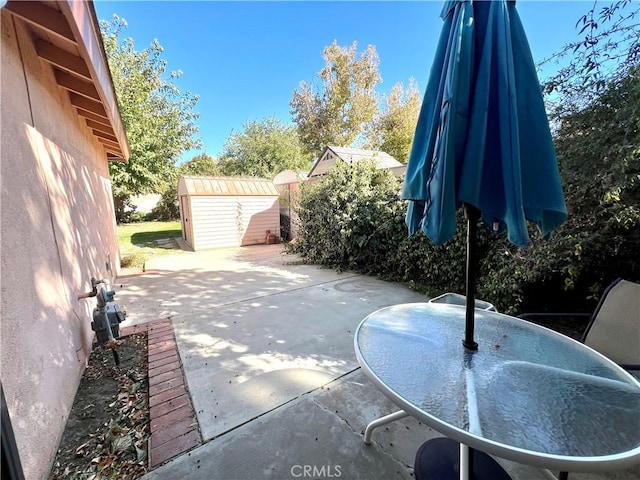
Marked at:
<point>227,211</point>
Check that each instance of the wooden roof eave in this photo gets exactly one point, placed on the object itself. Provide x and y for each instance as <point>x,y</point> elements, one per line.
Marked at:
<point>87,77</point>
<point>84,22</point>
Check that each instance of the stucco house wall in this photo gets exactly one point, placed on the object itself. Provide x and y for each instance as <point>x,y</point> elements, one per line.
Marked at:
<point>57,231</point>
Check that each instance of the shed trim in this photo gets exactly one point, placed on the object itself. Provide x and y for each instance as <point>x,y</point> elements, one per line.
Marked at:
<point>226,186</point>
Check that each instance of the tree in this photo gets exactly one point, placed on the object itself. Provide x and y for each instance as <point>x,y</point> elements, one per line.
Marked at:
<point>393,129</point>
<point>339,111</point>
<point>167,207</point>
<point>263,149</point>
<point>158,118</point>
<point>599,156</point>
<point>202,164</point>
<point>595,106</point>
<point>609,50</point>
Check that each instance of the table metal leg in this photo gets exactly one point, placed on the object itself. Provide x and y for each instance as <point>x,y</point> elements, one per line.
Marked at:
<point>382,421</point>
<point>549,475</point>
<point>464,462</point>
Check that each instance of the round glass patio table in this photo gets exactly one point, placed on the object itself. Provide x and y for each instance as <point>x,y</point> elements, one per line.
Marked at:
<point>528,394</point>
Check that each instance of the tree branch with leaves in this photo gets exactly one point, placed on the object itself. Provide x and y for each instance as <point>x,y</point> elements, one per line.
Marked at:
<point>393,128</point>
<point>338,111</point>
<point>158,119</point>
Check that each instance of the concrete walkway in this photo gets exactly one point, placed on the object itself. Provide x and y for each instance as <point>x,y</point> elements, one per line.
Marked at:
<point>266,346</point>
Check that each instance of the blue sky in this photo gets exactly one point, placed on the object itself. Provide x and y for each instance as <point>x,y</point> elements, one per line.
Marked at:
<point>244,59</point>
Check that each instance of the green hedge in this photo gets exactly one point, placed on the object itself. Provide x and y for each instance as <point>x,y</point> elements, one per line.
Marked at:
<point>354,220</point>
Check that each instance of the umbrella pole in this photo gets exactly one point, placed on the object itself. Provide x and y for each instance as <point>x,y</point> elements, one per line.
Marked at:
<point>472,215</point>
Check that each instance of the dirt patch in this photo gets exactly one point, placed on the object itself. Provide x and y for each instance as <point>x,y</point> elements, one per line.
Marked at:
<point>106,435</point>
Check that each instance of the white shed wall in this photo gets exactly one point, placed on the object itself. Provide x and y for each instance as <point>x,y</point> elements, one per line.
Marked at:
<point>226,221</point>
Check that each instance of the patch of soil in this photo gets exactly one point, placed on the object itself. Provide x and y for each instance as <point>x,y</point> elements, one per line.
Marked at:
<point>106,434</point>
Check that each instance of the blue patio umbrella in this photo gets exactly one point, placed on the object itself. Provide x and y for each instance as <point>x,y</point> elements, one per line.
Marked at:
<point>483,138</point>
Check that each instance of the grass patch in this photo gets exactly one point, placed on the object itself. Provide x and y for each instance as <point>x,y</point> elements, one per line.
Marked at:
<point>139,241</point>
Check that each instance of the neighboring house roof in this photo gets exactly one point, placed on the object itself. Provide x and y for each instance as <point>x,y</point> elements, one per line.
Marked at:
<point>289,176</point>
<point>225,186</point>
<point>67,36</point>
<point>350,155</point>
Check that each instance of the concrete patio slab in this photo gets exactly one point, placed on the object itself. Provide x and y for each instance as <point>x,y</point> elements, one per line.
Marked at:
<point>284,444</point>
<point>321,431</point>
<point>255,328</point>
<point>193,283</point>
<point>249,357</point>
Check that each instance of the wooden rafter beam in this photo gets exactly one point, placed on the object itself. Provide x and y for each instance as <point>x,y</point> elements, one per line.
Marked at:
<point>38,14</point>
<point>108,143</point>
<point>74,84</point>
<point>93,116</point>
<point>63,60</point>
<point>105,136</point>
<point>89,105</point>
<point>100,127</point>
<point>113,154</point>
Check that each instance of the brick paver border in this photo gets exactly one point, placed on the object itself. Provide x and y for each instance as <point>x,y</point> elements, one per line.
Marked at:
<point>172,421</point>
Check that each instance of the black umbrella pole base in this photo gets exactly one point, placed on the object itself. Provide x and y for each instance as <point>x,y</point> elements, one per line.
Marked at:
<point>470,345</point>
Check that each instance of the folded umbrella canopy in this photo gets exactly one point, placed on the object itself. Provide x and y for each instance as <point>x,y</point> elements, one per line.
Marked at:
<point>483,137</point>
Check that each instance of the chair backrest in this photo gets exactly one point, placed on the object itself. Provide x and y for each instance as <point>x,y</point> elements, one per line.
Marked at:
<point>614,329</point>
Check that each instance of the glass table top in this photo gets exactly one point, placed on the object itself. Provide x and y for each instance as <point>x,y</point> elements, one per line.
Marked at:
<point>528,393</point>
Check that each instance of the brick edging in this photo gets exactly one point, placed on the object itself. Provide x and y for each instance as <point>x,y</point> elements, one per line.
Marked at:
<point>172,421</point>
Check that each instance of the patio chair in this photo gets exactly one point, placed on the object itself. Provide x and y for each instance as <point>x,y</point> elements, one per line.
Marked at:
<point>613,329</point>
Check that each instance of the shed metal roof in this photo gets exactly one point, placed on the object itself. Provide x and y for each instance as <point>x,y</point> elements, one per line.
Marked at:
<point>225,186</point>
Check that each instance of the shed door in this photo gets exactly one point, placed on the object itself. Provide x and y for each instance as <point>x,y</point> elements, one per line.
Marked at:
<point>185,217</point>
<point>231,221</point>
<point>216,221</point>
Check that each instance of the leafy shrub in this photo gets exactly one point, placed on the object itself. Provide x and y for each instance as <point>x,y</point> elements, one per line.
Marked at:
<point>134,259</point>
<point>123,207</point>
<point>167,208</point>
<point>354,219</point>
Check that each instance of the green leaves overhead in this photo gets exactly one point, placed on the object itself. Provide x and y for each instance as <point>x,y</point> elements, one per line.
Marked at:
<point>339,110</point>
<point>393,128</point>
<point>158,118</point>
<point>263,149</point>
